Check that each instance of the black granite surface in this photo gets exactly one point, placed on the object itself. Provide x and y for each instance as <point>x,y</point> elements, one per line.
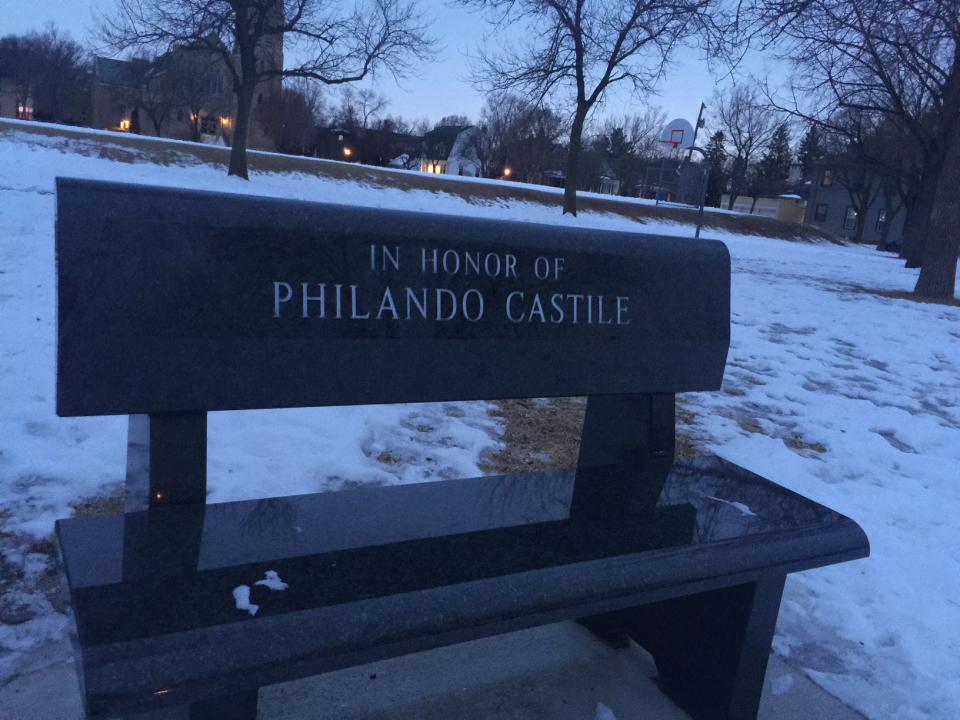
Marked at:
<point>173,300</point>
<point>381,571</point>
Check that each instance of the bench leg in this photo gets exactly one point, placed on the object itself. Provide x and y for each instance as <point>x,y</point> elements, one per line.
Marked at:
<point>241,706</point>
<point>712,648</point>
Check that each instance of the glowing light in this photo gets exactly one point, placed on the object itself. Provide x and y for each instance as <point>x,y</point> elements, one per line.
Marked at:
<point>347,152</point>
<point>507,172</point>
<point>124,124</point>
<point>225,121</point>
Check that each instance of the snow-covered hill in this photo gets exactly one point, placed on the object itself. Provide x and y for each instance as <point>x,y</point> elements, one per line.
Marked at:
<point>835,387</point>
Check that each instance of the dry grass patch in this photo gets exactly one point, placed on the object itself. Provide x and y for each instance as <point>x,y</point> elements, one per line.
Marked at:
<point>105,505</point>
<point>544,434</point>
<point>123,147</point>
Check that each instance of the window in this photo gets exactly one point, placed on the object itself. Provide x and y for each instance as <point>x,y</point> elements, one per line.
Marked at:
<point>24,110</point>
<point>850,220</point>
<point>215,84</point>
<point>827,179</point>
<point>820,212</point>
<point>881,220</point>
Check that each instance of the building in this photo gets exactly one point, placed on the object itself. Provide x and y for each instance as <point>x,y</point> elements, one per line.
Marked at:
<point>12,103</point>
<point>370,146</point>
<point>789,207</point>
<point>184,94</point>
<point>451,150</point>
<point>831,208</point>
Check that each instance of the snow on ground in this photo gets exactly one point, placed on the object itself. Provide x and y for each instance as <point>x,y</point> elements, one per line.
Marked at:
<point>846,396</point>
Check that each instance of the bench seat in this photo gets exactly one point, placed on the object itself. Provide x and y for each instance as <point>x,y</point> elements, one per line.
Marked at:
<point>379,572</point>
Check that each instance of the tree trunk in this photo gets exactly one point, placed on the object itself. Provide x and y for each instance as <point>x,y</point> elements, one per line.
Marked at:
<point>753,205</point>
<point>891,212</point>
<point>573,163</point>
<point>860,224</point>
<point>917,226</point>
<point>733,197</point>
<point>241,133</point>
<point>938,273</point>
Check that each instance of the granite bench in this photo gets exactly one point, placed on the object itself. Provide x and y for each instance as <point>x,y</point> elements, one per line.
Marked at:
<point>173,304</point>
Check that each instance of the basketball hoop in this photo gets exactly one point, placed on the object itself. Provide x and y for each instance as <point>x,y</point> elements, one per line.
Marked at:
<point>677,135</point>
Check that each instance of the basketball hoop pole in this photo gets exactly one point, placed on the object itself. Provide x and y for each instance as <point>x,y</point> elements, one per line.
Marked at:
<point>703,186</point>
<point>696,130</point>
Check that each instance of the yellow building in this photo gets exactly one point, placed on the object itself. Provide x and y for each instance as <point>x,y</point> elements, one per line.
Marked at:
<point>788,207</point>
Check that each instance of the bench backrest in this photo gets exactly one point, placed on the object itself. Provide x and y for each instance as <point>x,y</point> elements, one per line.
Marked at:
<point>173,300</point>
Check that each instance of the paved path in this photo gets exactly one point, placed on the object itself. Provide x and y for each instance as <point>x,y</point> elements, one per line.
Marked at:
<point>556,672</point>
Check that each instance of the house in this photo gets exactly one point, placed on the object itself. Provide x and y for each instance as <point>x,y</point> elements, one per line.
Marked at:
<point>184,94</point>
<point>837,192</point>
<point>451,150</point>
<point>370,146</point>
<point>12,103</point>
<point>115,89</point>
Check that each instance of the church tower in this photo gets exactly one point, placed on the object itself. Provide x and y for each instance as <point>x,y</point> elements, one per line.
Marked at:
<point>271,53</point>
<point>267,98</point>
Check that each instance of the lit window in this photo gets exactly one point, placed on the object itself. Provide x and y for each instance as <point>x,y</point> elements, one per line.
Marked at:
<point>827,179</point>
<point>850,220</point>
<point>881,220</point>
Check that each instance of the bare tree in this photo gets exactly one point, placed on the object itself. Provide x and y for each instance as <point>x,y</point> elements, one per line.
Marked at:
<point>49,71</point>
<point>627,142</point>
<point>18,60</point>
<point>152,91</point>
<point>518,135</point>
<point>748,126</point>
<point>898,59</point>
<point>579,48</point>
<point>294,116</point>
<point>331,43</point>
<point>370,106</point>
<point>359,109</point>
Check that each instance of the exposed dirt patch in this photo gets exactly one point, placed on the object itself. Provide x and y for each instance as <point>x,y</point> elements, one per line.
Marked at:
<point>904,295</point>
<point>891,437</point>
<point>750,425</point>
<point>796,441</point>
<point>544,434</point>
<point>388,458</point>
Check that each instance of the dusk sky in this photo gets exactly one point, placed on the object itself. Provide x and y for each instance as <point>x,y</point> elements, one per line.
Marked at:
<point>439,88</point>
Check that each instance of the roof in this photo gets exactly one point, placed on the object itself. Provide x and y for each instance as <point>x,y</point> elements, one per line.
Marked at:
<point>438,143</point>
<point>125,73</point>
